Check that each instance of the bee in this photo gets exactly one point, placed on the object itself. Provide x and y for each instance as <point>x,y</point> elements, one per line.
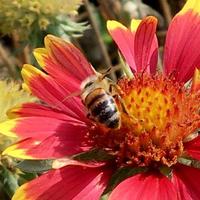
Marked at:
<point>98,94</point>
<point>100,102</point>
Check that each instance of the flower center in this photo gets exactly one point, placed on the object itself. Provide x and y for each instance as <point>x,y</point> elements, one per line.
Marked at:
<point>160,114</point>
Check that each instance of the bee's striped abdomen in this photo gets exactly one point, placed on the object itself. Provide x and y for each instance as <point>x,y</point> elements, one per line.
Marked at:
<point>103,108</point>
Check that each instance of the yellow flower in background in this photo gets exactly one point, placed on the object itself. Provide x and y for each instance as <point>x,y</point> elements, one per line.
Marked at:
<point>35,6</point>
<point>11,95</point>
<point>60,6</point>
<point>29,18</point>
<point>43,23</point>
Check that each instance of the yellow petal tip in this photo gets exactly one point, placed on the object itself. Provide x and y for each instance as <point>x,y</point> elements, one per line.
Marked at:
<point>29,71</point>
<point>16,152</point>
<point>134,24</point>
<point>21,193</point>
<point>6,128</point>
<point>191,5</point>
<point>11,113</point>
<point>40,54</point>
<point>112,25</point>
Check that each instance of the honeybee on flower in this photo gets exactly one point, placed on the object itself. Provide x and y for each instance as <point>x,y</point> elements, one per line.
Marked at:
<point>100,95</point>
<point>155,156</point>
<point>99,101</point>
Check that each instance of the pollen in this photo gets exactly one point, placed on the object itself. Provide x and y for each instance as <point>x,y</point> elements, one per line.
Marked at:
<point>160,115</point>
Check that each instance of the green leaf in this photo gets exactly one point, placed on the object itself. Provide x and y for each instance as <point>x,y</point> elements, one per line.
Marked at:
<point>122,174</point>
<point>185,161</point>
<point>188,161</point>
<point>192,135</point>
<point>25,177</point>
<point>8,180</point>
<point>196,164</point>
<point>94,155</point>
<point>166,171</point>
<point>35,166</point>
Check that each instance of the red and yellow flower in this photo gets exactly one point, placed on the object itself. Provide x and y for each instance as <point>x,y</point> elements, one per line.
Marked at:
<point>155,138</point>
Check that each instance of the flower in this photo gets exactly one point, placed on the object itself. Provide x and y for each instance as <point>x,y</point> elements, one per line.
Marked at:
<point>43,23</point>
<point>155,152</point>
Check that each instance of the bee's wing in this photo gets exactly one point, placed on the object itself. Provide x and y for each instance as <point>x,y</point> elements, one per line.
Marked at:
<point>74,94</point>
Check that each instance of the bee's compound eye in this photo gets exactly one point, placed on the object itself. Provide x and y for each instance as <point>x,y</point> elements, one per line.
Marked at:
<point>89,81</point>
<point>88,84</point>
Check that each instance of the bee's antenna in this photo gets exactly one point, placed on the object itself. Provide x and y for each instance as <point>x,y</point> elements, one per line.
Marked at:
<point>108,71</point>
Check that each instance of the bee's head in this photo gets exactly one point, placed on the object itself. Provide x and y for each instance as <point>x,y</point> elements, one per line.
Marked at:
<point>89,82</point>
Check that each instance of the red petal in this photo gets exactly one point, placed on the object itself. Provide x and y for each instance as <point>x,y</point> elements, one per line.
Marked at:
<point>46,88</point>
<point>37,127</point>
<point>182,55</point>
<point>55,70</point>
<point>146,44</point>
<point>68,56</point>
<point>181,188</point>
<point>124,39</point>
<point>193,148</point>
<point>68,183</point>
<point>68,80</point>
<point>186,179</point>
<point>139,45</point>
<point>69,141</point>
<point>143,187</point>
<point>63,61</point>
<point>154,61</point>
<point>38,110</point>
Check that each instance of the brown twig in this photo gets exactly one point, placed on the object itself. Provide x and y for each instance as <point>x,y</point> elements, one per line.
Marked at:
<point>7,61</point>
<point>161,33</point>
<point>142,13</point>
<point>166,10</point>
<point>24,57</point>
<point>108,13</point>
<point>98,35</point>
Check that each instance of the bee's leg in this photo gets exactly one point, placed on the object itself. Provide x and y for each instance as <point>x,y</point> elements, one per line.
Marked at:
<point>104,74</point>
<point>115,90</point>
<point>124,109</point>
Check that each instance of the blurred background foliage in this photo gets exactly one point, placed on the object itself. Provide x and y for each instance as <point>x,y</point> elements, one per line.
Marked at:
<point>23,26</point>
